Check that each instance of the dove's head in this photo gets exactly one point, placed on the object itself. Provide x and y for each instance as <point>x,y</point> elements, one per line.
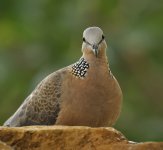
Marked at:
<point>94,42</point>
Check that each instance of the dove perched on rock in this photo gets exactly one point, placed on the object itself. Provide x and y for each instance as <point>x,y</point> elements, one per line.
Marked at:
<point>83,94</point>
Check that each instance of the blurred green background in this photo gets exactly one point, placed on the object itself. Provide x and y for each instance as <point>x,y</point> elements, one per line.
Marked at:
<point>40,36</point>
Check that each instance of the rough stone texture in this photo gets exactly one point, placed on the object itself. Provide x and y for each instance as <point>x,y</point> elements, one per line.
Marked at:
<point>4,146</point>
<point>69,138</point>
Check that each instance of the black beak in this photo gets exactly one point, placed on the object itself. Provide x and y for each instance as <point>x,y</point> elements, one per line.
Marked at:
<point>95,49</point>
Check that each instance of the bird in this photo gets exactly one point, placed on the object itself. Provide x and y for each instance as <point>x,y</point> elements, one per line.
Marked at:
<point>85,93</point>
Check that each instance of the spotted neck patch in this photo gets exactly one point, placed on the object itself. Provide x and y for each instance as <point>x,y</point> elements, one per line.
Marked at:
<point>79,69</point>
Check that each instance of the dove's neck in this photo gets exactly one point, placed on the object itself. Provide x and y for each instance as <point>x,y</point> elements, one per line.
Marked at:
<point>89,62</point>
<point>98,66</point>
<point>92,59</point>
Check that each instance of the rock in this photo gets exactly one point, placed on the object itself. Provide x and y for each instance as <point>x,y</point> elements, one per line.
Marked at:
<point>70,138</point>
<point>4,146</point>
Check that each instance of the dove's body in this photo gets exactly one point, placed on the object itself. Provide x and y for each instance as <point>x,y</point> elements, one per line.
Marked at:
<point>85,93</point>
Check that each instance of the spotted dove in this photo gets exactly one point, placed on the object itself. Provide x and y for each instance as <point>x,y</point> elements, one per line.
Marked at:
<point>83,94</point>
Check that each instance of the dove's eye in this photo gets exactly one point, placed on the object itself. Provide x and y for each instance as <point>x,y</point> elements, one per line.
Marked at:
<point>84,39</point>
<point>103,36</point>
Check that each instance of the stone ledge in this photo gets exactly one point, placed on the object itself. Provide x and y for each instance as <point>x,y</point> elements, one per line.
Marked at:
<point>4,146</point>
<point>69,138</point>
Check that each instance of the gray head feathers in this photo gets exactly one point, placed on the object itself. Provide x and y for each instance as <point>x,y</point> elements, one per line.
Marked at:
<point>93,35</point>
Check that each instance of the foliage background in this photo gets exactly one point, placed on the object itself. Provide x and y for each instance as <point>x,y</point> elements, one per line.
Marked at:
<point>38,37</point>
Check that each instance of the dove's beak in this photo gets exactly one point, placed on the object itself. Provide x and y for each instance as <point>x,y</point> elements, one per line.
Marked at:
<point>95,49</point>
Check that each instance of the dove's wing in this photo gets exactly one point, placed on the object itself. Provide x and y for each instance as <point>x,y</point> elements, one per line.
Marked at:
<point>42,106</point>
